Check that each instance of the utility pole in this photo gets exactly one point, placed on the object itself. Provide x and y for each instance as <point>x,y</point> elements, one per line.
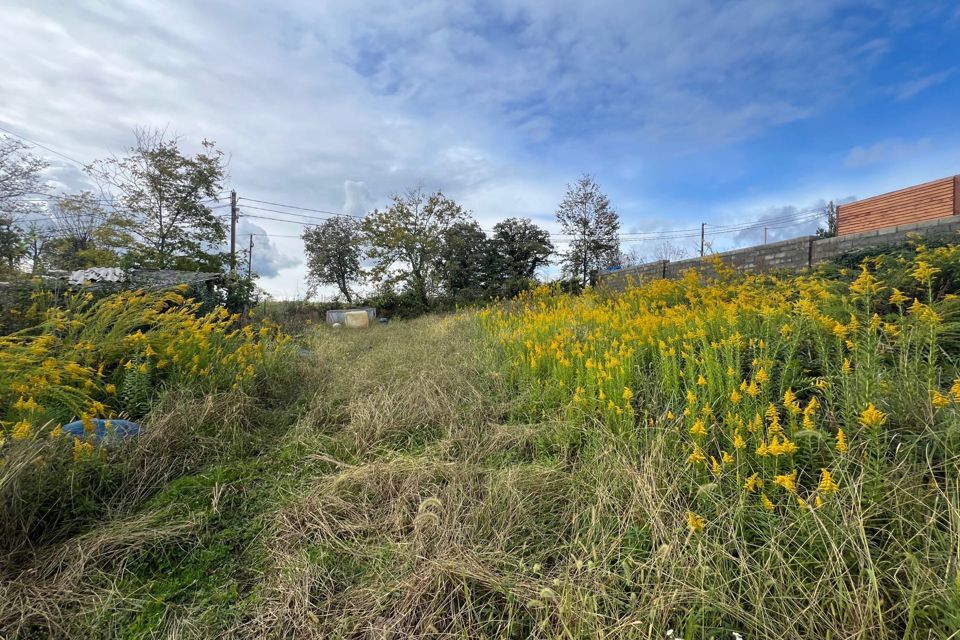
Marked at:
<point>764,235</point>
<point>250,258</point>
<point>703,233</point>
<point>233,230</point>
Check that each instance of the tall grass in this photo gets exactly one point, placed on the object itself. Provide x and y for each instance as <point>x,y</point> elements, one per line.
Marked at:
<point>551,469</point>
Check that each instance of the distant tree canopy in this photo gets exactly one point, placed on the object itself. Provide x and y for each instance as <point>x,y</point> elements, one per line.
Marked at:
<point>334,249</point>
<point>21,183</point>
<point>86,234</point>
<point>405,240</point>
<point>518,248</point>
<point>463,262</point>
<point>165,197</point>
<point>586,214</point>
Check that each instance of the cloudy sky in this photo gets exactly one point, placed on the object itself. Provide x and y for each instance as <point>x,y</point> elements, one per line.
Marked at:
<point>685,111</point>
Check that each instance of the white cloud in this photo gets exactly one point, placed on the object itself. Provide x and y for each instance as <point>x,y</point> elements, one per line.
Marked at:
<point>916,86</point>
<point>498,103</point>
<point>886,151</point>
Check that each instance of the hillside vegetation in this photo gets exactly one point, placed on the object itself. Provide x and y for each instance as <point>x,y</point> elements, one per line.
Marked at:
<point>773,456</point>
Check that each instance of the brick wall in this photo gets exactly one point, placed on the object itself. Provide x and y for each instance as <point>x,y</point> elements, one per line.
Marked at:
<point>794,254</point>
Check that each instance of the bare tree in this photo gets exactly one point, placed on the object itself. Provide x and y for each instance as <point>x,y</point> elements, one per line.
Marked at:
<point>21,181</point>
<point>87,233</point>
<point>21,177</point>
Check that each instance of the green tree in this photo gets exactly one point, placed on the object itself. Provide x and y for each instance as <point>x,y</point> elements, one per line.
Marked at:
<point>334,250</point>
<point>586,214</point>
<point>405,240</point>
<point>462,262</point>
<point>165,197</point>
<point>518,248</point>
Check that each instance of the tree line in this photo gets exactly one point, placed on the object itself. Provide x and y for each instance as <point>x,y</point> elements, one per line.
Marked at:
<point>154,206</point>
<point>425,250</point>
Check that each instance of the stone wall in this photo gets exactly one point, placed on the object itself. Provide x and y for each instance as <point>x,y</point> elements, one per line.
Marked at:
<point>794,254</point>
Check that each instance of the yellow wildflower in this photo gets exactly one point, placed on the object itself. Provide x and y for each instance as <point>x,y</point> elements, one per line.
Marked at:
<point>21,430</point>
<point>788,481</point>
<point>765,501</point>
<point>924,271</point>
<point>698,428</point>
<point>955,390</point>
<point>754,483</point>
<point>697,455</point>
<point>81,449</point>
<point>827,484</point>
<point>694,522</point>
<point>627,394</point>
<point>841,441</point>
<point>872,418</point>
<point>940,400</point>
<point>738,442</point>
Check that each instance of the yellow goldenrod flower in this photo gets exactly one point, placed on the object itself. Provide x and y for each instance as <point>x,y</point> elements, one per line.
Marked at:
<point>699,428</point>
<point>715,466</point>
<point>765,501</point>
<point>872,418</point>
<point>735,397</point>
<point>627,394</point>
<point>696,456</point>
<point>738,441</point>
<point>827,484</point>
<point>701,381</point>
<point>754,483</point>
<point>940,400</point>
<point>21,430</point>
<point>841,441</point>
<point>695,523</point>
<point>924,271</point>
<point>788,481</point>
<point>897,298</point>
<point>81,449</point>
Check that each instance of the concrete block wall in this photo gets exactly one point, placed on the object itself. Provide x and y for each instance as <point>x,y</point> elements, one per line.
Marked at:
<point>793,254</point>
<point>829,248</point>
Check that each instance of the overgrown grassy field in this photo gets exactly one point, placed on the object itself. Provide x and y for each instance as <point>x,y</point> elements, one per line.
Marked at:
<point>774,457</point>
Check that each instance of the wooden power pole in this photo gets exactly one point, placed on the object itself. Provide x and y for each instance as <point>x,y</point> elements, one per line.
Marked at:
<point>233,231</point>
<point>703,230</point>
<point>250,258</point>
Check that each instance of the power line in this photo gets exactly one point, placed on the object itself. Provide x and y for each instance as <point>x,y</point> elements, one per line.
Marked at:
<point>290,206</point>
<point>288,213</point>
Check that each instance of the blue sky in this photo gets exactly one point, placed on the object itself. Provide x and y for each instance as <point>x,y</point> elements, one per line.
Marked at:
<point>684,111</point>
